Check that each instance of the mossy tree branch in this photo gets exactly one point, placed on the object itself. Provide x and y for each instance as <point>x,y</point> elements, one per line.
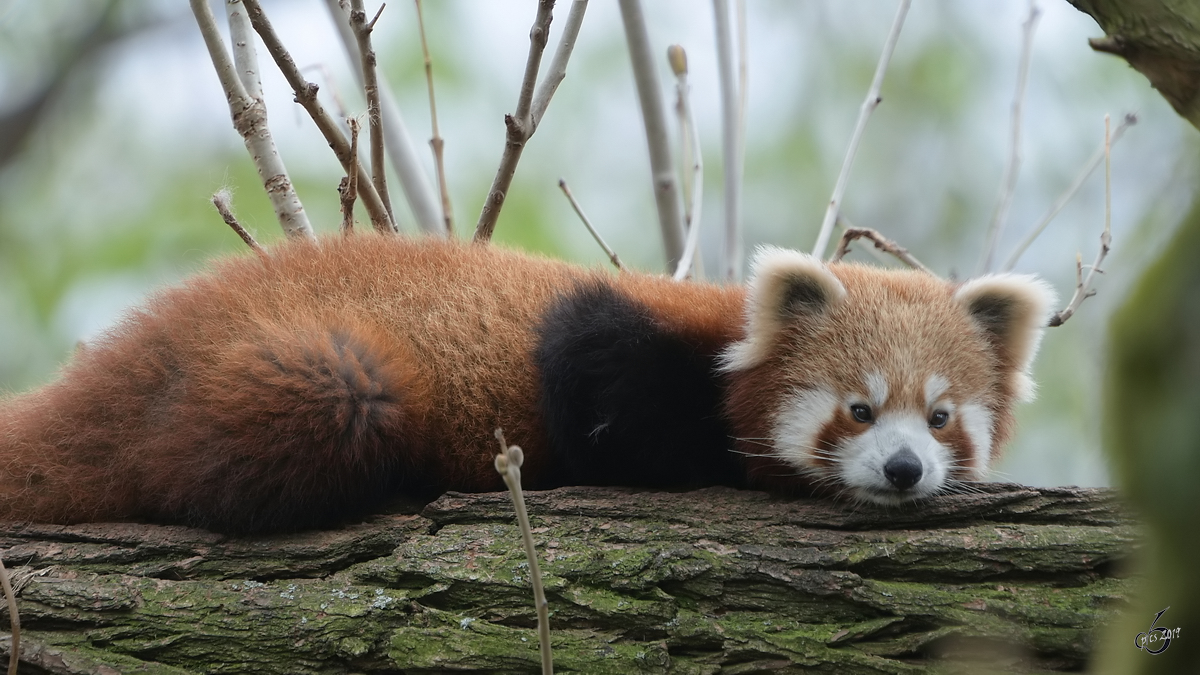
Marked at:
<point>1160,39</point>
<point>704,581</point>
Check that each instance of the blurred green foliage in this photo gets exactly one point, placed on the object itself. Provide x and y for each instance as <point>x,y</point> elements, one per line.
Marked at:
<point>1153,437</point>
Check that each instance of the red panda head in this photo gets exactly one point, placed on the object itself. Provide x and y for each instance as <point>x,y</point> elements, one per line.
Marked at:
<point>884,386</point>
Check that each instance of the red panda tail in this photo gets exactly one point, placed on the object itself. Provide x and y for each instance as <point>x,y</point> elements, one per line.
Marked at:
<point>285,429</point>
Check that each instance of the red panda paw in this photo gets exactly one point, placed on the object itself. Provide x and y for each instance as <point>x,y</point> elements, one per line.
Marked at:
<point>300,427</point>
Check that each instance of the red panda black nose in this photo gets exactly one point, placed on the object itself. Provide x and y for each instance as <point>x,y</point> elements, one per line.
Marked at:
<point>903,469</point>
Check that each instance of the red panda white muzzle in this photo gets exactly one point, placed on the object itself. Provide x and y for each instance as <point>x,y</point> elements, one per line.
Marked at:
<point>889,386</point>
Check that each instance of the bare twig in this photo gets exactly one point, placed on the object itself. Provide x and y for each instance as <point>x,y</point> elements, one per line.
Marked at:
<point>400,149</point>
<point>869,104</point>
<point>1008,185</point>
<point>435,141</point>
<point>731,133</point>
<point>14,620</point>
<point>743,75</point>
<point>1083,285</point>
<point>306,96</point>
<point>519,125</point>
<point>1093,162</point>
<point>558,64</point>
<point>362,34</point>
<point>245,57</point>
<point>666,189</point>
<point>843,223</point>
<point>612,256</point>
<point>250,119</point>
<point>882,243</point>
<point>693,183</point>
<point>348,189</point>
<point>221,199</point>
<point>508,465</point>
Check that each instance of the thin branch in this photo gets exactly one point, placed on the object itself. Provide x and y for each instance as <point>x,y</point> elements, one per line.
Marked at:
<point>250,120</point>
<point>1093,162</point>
<point>869,104</point>
<point>508,465</point>
<point>245,57</point>
<point>666,189</point>
<point>421,197</point>
<point>306,96</point>
<point>1083,285</point>
<point>348,188</point>
<point>221,199</point>
<point>435,142</point>
<point>519,125</point>
<point>1008,186</point>
<point>882,243</point>
<point>612,256</point>
<point>731,132</point>
<point>367,61</point>
<point>14,620</point>
<point>693,186</point>
<point>843,223</point>
<point>558,64</point>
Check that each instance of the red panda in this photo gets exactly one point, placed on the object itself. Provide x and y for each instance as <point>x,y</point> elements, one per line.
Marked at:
<point>302,388</point>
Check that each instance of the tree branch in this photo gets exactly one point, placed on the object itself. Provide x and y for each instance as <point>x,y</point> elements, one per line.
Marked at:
<point>1083,285</point>
<point>882,243</point>
<point>864,113</point>
<point>732,125</point>
<point>306,96</point>
<point>221,199</point>
<point>612,256</point>
<point>250,119</point>
<point>639,582</point>
<point>348,188</point>
<point>666,189</point>
<point>362,34</point>
<point>518,126</point>
<point>693,163</point>
<point>1090,166</point>
<point>1160,39</point>
<point>435,142</point>
<point>557,70</point>
<point>400,149</point>
<point>1008,185</point>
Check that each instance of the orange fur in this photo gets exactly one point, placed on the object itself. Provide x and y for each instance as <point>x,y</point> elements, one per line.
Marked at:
<point>186,399</point>
<point>320,378</point>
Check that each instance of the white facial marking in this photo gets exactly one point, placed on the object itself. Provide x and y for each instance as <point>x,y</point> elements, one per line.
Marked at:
<point>877,389</point>
<point>935,387</point>
<point>866,455</point>
<point>802,417</point>
<point>977,422</point>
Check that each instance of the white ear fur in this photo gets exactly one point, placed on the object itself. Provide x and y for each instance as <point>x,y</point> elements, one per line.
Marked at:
<point>1013,309</point>
<point>783,285</point>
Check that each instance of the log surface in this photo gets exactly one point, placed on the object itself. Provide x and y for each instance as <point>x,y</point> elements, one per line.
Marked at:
<point>710,581</point>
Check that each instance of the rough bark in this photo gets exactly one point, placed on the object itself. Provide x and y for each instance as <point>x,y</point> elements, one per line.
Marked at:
<point>710,581</point>
<point>1160,39</point>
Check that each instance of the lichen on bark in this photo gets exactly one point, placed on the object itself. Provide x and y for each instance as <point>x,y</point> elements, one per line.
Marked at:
<point>709,581</point>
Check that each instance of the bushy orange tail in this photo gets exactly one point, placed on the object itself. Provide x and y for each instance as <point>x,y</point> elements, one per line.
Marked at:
<point>278,428</point>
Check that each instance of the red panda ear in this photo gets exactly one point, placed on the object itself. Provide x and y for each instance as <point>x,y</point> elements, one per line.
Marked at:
<point>1012,310</point>
<point>784,285</point>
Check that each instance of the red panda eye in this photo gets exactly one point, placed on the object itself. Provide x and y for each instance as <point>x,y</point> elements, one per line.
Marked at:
<point>938,419</point>
<point>862,413</point>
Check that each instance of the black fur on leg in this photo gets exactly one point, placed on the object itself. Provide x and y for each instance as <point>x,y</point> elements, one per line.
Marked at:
<point>625,401</point>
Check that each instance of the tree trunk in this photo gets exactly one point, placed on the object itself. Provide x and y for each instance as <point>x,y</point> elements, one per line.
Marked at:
<point>1160,39</point>
<point>715,580</point>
